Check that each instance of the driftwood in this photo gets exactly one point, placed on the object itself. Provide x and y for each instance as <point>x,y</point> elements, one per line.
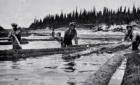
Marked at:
<point>103,75</point>
<point>132,71</point>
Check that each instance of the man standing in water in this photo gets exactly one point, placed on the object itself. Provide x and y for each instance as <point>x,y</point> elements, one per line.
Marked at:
<point>134,35</point>
<point>15,34</point>
<point>70,34</point>
<point>53,33</point>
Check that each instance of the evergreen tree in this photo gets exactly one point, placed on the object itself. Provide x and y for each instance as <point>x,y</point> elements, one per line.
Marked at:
<point>107,16</point>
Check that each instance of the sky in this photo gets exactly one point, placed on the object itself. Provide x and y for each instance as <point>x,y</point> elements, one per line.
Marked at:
<point>23,12</point>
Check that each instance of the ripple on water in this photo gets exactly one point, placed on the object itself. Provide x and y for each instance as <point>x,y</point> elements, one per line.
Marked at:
<point>71,83</point>
<point>16,67</point>
<point>51,67</point>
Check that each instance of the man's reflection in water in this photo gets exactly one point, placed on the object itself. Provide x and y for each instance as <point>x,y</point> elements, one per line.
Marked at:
<point>70,67</point>
<point>71,83</point>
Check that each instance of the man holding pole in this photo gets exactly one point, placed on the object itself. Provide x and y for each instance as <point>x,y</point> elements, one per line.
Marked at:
<point>133,34</point>
<point>15,34</point>
<point>70,34</point>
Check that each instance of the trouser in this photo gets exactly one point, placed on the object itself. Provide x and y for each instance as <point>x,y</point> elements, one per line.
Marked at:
<point>66,43</point>
<point>135,44</point>
<point>16,46</point>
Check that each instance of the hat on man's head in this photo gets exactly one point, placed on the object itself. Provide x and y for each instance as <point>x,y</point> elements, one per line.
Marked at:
<point>129,26</point>
<point>14,24</point>
<point>72,24</point>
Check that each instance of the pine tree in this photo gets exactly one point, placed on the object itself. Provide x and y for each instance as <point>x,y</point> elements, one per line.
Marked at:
<point>108,16</point>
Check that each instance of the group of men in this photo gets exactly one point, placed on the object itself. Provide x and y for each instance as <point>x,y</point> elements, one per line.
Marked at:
<point>71,34</point>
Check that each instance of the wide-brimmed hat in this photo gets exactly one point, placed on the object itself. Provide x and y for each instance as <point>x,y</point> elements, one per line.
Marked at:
<point>14,24</point>
<point>129,26</point>
<point>72,24</point>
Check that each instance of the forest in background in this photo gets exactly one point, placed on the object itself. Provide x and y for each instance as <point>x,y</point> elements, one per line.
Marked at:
<point>107,16</point>
<point>84,17</point>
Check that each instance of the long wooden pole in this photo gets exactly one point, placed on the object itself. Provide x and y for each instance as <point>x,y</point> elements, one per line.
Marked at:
<point>17,41</point>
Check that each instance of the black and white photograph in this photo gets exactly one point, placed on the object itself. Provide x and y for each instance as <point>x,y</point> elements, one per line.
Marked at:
<point>69,42</point>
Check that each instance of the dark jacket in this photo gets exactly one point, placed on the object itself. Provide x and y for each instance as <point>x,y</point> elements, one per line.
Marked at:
<point>69,35</point>
<point>16,33</point>
<point>133,35</point>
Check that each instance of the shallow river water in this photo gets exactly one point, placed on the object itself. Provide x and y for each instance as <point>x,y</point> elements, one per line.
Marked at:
<point>52,69</point>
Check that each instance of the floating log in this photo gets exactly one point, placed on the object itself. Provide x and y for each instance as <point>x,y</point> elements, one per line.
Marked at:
<point>10,54</point>
<point>55,38</point>
<point>5,38</point>
<point>24,33</point>
<point>103,39</point>
<point>91,50</point>
<point>24,39</point>
<point>39,39</point>
<point>103,75</point>
<point>40,34</point>
<point>132,71</point>
<point>10,42</point>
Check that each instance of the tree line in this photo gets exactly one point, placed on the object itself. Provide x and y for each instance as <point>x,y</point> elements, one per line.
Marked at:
<point>107,16</point>
<point>1,28</point>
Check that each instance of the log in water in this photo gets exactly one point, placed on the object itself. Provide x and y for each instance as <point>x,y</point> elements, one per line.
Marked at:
<point>38,39</point>
<point>24,39</point>
<point>103,75</point>
<point>10,42</point>
<point>24,53</point>
<point>132,71</point>
<point>99,49</point>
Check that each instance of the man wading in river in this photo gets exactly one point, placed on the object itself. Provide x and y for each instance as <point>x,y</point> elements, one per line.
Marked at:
<point>70,34</point>
<point>53,33</point>
<point>15,34</point>
<point>134,35</point>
